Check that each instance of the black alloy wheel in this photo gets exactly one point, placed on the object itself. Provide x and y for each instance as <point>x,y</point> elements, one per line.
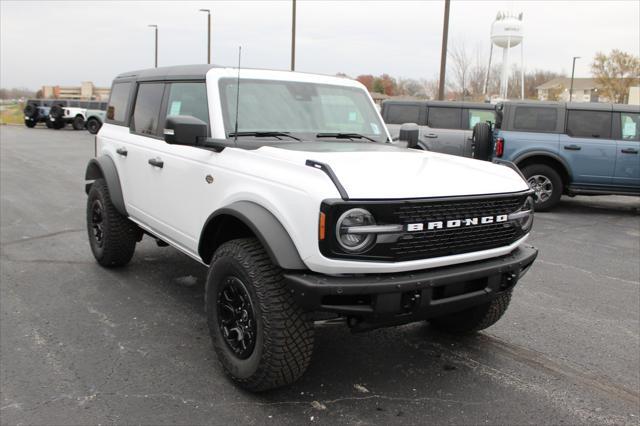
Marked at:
<point>97,222</point>
<point>236,317</point>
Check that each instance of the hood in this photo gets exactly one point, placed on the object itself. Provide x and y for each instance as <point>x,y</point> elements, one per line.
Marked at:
<point>383,171</point>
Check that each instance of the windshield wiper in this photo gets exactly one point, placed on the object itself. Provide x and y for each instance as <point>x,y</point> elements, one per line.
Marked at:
<point>264,134</point>
<point>345,136</point>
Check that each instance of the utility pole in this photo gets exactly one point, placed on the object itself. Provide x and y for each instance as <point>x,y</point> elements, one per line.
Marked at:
<point>443,55</point>
<point>208,34</point>
<point>293,37</point>
<point>573,70</point>
<point>156,29</point>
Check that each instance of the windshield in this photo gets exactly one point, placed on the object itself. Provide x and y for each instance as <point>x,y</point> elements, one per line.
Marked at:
<point>307,109</point>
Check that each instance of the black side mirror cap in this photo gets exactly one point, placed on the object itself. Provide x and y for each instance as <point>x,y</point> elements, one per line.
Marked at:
<point>184,130</point>
<point>410,133</point>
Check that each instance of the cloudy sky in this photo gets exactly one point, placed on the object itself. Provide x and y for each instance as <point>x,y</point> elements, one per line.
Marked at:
<point>64,43</point>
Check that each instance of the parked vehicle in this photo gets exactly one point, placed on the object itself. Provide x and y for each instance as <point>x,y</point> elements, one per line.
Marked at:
<point>62,115</point>
<point>95,118</point>
<point>302,209</point>
<point>445,127</point>
<point>571,148</point>
<point>37,111</point>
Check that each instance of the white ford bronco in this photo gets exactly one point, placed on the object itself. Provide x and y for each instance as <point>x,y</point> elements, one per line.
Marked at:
<point>288,187</point>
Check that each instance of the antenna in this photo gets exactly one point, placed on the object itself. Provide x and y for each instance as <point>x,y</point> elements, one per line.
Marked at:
<point>235,139</point>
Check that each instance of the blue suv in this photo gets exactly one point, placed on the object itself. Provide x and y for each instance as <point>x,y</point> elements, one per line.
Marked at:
<point>571,148</point>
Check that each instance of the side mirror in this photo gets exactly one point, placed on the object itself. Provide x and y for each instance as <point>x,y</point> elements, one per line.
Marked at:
<point>409,133</point>
<point>184,130</point>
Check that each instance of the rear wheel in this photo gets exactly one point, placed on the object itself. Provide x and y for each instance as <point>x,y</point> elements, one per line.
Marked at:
<point>30,123</point>
<point>262,338</point>
<point>93,125</point>
<point>547,184</point>
<point>78,123</point>
<point>112,236</point>
<point>48,123</point>
<point>474,319</point>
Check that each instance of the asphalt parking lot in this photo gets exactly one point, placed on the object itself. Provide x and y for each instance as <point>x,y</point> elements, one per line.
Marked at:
<point>80,344</point>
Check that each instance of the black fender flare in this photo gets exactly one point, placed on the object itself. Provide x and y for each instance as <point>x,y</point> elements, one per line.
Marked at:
<point>520,158</point>
<point>265,226</point>
<point>104,167</point>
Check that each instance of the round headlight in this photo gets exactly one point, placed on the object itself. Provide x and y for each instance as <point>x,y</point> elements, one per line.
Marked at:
<point>347,233</point>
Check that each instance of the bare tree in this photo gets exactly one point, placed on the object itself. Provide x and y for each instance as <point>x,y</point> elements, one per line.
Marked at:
<point>461,65</point>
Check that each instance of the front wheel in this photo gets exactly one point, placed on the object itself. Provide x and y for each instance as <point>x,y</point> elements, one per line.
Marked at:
<point>263,339</point>
<point>546,183</point>
<point>112,236</point>
<point>474,319</point>
<point>93,125</point>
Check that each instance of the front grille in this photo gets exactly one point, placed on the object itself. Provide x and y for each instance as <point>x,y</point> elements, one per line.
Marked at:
<point>444,242</point>
<point>437,242</point>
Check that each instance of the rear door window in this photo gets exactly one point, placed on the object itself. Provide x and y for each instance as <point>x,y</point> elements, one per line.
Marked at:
<point>444,118</point>
<point>400,114</point>
<point>535,119</point>
<point>630,126</point>
<point>480,116</point>
<point>589,124</point>
<point>118,103</point>
<point>146,113</point>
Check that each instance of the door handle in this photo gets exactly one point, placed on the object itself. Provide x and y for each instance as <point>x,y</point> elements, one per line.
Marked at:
<point>572,147</point>
<point>431,135</point>
<point>122,151</point>
<point>629,151</point>
<point>156,162</point>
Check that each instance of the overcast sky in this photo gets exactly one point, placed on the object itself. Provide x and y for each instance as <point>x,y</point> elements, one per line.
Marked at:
<point>65,43</point>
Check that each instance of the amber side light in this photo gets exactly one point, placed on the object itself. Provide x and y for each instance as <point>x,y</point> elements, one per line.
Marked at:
<point>321,226</point>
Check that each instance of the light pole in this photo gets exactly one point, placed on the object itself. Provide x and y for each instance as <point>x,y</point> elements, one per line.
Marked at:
<point>573,70</point>
<point>156,29</point>
<point>443,55</point>
<point>208,34</point>
<point>293,36</point>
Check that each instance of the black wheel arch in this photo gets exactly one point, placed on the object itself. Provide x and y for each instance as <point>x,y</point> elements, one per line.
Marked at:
<point>548,158</point>
<point>246,219</point>
<point>104,167</point>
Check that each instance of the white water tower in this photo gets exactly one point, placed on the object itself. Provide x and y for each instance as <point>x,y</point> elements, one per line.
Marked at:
<point>506,32</point>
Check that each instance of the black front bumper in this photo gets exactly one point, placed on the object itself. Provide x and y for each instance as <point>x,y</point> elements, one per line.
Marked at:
<point>408,296</point>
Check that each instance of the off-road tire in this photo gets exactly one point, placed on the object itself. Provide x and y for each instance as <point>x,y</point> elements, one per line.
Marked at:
<point>474,319</point>
<point>481,138</point>
<point>48,123</point>
<point>119,234</point>
<point>31,110</point>
<point>78,123</point>
<point>30,123</point>
<point>93,126</point>
<point>553,177</point>
<point>284,333</point>
<point>59,124</point>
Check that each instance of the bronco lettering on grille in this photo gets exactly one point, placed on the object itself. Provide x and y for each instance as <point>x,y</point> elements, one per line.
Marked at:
<point>456,223</point>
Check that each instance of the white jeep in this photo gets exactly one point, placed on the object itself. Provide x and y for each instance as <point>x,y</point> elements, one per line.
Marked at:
<point>288,188</point>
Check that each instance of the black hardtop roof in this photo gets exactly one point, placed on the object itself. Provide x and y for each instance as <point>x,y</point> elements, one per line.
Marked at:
<point>445,104</point>
<point>583,106</point>
<point>180,72</point>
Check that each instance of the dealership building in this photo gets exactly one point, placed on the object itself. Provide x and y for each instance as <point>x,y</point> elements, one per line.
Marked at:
<point>86,91</point>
